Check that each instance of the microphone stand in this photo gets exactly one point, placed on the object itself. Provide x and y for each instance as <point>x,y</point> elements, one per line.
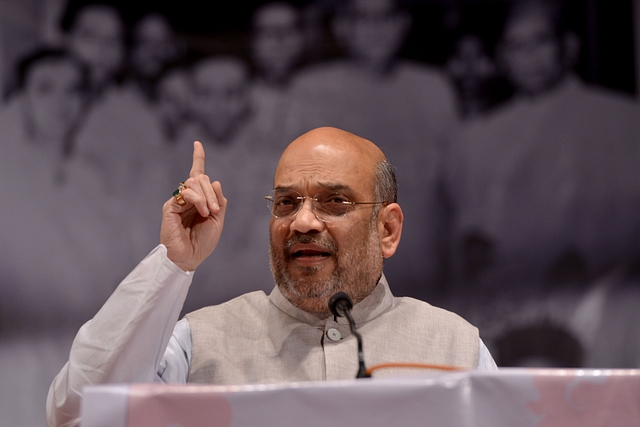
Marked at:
<point>362,371</point>
<point>340,305</point>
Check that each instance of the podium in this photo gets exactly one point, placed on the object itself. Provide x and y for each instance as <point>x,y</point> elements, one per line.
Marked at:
<point>511,397</point>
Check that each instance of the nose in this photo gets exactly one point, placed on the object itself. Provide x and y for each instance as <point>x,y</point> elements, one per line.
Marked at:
<point>305,220</point>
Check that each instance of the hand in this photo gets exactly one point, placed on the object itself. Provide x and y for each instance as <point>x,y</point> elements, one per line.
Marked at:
<point>191,231</point>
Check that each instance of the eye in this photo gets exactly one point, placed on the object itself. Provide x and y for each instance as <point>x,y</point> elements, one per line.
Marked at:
<point>284,200</point>
<point>285,204</point>
<point>335,204</point>
<point>336,199</point>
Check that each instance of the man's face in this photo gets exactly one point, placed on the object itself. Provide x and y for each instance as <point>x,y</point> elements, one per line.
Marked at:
<point>532,53</point>
<point>470,65</point>
<point>53,98</point>
<point>97,38</point>
<point>154,45</point>
<point>373,31</point>
<point>221,98</point>
<point>312,259</point>
<point>278,41</point>
<point>173,97</point>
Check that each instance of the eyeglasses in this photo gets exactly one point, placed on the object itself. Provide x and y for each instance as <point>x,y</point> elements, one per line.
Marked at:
<point>326,206</point>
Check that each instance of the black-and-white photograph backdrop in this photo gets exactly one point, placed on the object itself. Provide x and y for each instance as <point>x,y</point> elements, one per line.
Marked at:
<point>513,127</point>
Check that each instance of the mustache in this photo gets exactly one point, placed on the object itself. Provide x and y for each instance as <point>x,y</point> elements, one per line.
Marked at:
<point>325,243</point>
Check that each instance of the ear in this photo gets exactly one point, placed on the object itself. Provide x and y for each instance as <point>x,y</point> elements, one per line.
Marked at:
<point>390,219</point>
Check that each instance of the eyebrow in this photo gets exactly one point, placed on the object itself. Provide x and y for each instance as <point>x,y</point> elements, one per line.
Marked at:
<point>329,186</point>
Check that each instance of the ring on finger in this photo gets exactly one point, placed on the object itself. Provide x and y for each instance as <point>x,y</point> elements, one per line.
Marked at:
<point>178,194</point>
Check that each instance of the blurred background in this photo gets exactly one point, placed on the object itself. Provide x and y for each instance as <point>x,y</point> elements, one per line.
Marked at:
<point>514,128</point>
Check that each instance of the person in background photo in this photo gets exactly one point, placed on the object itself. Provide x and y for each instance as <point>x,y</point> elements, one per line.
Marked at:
<point>56,259</point>
<point>108,161</point>
<point>94,31</point>
<point>278,50</point>
<point>277,42</point>
<point>548,181</point>
<point>41,120</point>
<point>545,192</point>
<point>475,75</point>
<point>408,107</point>
<point>172,93</point>
<point>223,118</point>
<point>155,45</point>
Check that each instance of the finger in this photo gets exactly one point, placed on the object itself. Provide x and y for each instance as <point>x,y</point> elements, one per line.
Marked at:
<point>197,168</point>
<point>222,201</point>
<point>195,194</point>
<point>210,195</point>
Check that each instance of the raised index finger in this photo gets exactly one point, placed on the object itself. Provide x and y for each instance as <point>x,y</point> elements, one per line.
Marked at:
<point>197,168</point>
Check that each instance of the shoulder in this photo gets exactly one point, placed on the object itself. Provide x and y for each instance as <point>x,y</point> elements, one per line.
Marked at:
<point>605,99</point>
<point>423,314</point>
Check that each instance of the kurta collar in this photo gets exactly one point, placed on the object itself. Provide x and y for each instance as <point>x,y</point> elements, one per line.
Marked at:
<point>379,301</point>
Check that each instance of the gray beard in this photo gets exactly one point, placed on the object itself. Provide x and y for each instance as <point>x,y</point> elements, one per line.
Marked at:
<point>355,273</point>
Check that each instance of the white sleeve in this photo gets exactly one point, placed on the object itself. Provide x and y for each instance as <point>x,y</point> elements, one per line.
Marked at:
<point>485,360</point>
<point>174,367</point>
<point>126,340</point>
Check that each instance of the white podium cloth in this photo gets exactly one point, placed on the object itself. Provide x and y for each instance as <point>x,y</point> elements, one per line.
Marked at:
<point>509,397</point>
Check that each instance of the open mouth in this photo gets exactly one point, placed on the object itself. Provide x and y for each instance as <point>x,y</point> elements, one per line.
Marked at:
<point>311,253</point>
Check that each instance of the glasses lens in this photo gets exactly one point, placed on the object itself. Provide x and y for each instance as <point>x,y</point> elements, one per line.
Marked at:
<point>282,204</point>
<point>332,205</point>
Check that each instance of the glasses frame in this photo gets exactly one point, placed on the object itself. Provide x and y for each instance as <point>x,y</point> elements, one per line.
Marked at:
<point>270,200</point>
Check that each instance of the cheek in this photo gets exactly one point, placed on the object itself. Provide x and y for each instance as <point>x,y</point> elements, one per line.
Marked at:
<point>277,233</point>
<point>350,237</point>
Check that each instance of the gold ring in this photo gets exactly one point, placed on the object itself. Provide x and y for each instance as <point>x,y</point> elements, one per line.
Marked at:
<point>178,194</point>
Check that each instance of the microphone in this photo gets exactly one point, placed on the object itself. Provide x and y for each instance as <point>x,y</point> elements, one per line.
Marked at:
<point>340,305</point>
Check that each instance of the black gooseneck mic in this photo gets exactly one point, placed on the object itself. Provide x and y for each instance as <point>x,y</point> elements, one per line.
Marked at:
<point>340,305</point>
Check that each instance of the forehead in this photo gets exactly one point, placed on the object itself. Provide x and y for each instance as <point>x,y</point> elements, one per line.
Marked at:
<point>313,169</point>
<point>153,27</point>
<point>528,23</point>
<point>278,15</point>
<point>60,71</point>
<point>100,19</point>
<point>376,7</point>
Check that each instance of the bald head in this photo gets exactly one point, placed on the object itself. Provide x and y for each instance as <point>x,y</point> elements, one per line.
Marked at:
<point>333,150</point>
<point>341,139</point>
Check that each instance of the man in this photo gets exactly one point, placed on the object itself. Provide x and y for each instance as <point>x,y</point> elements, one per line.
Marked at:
<point>474,74</point>
<point>334,220</point>
<point>238,148</point>
<point>43,302</point>
<point>38,132</point>
<point>221,97</point>
<point>277,42</point>
<point>95,32</point>
<point>407,107</point>
<point>154,46</point>
<point>545,194</point>
<point>41,118</point>
<point>278,50</point>
<point>546,188</point>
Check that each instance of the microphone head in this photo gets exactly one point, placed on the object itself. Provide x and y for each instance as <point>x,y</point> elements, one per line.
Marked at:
<point>340,302</point>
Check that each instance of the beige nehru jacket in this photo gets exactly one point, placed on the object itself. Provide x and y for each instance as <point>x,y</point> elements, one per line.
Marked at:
<point>257,338</point>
